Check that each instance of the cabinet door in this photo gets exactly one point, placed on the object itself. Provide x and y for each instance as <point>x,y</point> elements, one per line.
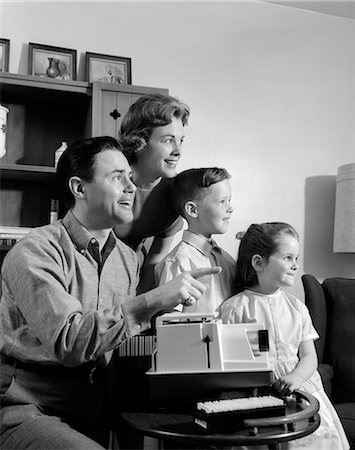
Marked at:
<point>110,103</point>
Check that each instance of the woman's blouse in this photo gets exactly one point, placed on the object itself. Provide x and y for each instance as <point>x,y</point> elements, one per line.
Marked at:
<point>154,215</point>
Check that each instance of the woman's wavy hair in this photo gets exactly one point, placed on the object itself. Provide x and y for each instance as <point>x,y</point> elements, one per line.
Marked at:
<point>259,239</point>
<point>148,112</point>
<point>78,159</point>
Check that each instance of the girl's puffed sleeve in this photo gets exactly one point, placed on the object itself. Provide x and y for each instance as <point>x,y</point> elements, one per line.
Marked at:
<point>308,330</point>
<point>230,312</point>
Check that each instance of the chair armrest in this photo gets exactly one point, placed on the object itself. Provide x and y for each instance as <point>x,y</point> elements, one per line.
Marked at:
<point>326,372</point>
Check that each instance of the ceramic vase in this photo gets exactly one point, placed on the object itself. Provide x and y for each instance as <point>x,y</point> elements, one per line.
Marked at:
<point>53,69</point>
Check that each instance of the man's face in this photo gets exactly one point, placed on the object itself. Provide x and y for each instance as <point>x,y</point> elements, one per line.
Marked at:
<point>110,194</point>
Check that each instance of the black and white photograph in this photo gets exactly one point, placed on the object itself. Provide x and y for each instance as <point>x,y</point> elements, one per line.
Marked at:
<point>177,225</point>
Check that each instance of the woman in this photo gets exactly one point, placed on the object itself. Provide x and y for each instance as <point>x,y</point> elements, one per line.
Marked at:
<point>152,134</point>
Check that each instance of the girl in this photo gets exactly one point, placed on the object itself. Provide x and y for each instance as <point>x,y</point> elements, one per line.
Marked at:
<point>267,262</point>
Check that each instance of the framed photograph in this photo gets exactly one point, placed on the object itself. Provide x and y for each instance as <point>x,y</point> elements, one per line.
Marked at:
<point>51,62</point>
<point>108,68</point>
<point>4,54</point>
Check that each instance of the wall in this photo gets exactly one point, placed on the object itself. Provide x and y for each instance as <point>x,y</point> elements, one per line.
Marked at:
<point>271,89</point>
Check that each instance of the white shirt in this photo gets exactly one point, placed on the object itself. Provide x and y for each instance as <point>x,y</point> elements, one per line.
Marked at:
<point>195,252</point>
<point>286,318</point>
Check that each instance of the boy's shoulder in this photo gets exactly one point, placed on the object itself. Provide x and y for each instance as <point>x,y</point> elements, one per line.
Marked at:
<point>181,258</point>
<point>180,251</point>
<point>228,256</point>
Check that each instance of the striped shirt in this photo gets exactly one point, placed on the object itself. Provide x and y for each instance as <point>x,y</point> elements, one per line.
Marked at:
<point>194,252</point>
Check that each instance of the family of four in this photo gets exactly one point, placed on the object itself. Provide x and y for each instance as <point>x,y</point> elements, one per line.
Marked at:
<point>73,291</point>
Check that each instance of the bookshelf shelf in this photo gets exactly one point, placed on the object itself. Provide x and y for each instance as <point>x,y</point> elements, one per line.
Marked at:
<point>44,112</point>
<point>27,172</point>
<point>10,235</point>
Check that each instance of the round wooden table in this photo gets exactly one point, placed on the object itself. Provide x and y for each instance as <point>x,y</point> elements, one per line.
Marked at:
<point>301,419</point>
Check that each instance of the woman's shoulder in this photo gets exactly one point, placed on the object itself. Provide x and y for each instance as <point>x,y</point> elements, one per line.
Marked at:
<point>161,190</point>
<point>164,183</point>
<point>168,182</point>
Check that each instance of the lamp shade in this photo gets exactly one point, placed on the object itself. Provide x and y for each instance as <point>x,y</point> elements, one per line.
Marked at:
<point>344,221</point>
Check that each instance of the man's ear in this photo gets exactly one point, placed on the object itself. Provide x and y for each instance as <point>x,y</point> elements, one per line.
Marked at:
<point>191,209</point>
<point>257,261</point>
<point>77,188</point>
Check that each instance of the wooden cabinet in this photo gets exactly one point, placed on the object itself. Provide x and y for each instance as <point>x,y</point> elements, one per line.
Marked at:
<point>42,113</point>
<point>110,104</point>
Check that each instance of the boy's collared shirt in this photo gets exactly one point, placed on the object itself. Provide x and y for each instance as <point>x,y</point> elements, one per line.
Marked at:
<point>194,252</point>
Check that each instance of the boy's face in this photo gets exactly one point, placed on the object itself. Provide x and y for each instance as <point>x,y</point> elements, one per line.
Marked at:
<point>214,209</point>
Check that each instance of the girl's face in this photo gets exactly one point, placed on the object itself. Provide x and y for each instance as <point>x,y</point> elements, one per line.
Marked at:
<point>281,268</point>
<point>160,157</point>
<point>214,209</point>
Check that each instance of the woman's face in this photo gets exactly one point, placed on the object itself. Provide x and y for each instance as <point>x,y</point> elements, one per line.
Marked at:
<point>163,151</point>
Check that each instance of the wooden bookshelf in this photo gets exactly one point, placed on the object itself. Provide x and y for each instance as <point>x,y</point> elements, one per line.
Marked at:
<point>44,112</point>
<point>27,172</point>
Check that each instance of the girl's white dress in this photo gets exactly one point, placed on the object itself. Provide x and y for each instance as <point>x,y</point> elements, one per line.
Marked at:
<point>288,322</point>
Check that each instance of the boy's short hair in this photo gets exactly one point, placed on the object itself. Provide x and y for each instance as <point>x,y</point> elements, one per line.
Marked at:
<point>191,185</point>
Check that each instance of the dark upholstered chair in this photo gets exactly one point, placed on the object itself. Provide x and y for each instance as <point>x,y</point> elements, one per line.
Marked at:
<point>332,308</point>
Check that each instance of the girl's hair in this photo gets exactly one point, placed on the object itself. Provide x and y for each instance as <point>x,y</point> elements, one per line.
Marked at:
<point>148,112</point>
<point>259,239</point>
<point>192,184</point>
<point>79,160</point>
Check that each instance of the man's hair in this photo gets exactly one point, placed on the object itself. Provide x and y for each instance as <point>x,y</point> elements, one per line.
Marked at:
<point>193,184</point>
<point>148,112</point>
<point>259,239</point>
<point>78,160</point>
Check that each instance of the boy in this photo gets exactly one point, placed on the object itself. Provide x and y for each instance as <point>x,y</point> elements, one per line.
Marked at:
<point>202,196</point>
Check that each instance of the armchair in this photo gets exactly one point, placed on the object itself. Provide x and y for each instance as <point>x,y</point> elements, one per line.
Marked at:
<point>332,308</point>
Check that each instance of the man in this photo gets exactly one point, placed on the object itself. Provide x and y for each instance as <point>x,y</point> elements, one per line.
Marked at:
<point>68,300</point>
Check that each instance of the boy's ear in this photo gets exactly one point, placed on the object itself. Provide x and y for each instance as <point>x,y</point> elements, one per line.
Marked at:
<point>257,261</point>
<point>191,209</point>
<point>77,188</point>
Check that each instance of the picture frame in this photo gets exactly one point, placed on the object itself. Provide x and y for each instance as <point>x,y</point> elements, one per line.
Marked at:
<point>48,61</point>
<point>108,68</point>
<point>4,54</point>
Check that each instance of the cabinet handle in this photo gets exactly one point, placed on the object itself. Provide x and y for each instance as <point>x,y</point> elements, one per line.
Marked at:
<point>115,114</point>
